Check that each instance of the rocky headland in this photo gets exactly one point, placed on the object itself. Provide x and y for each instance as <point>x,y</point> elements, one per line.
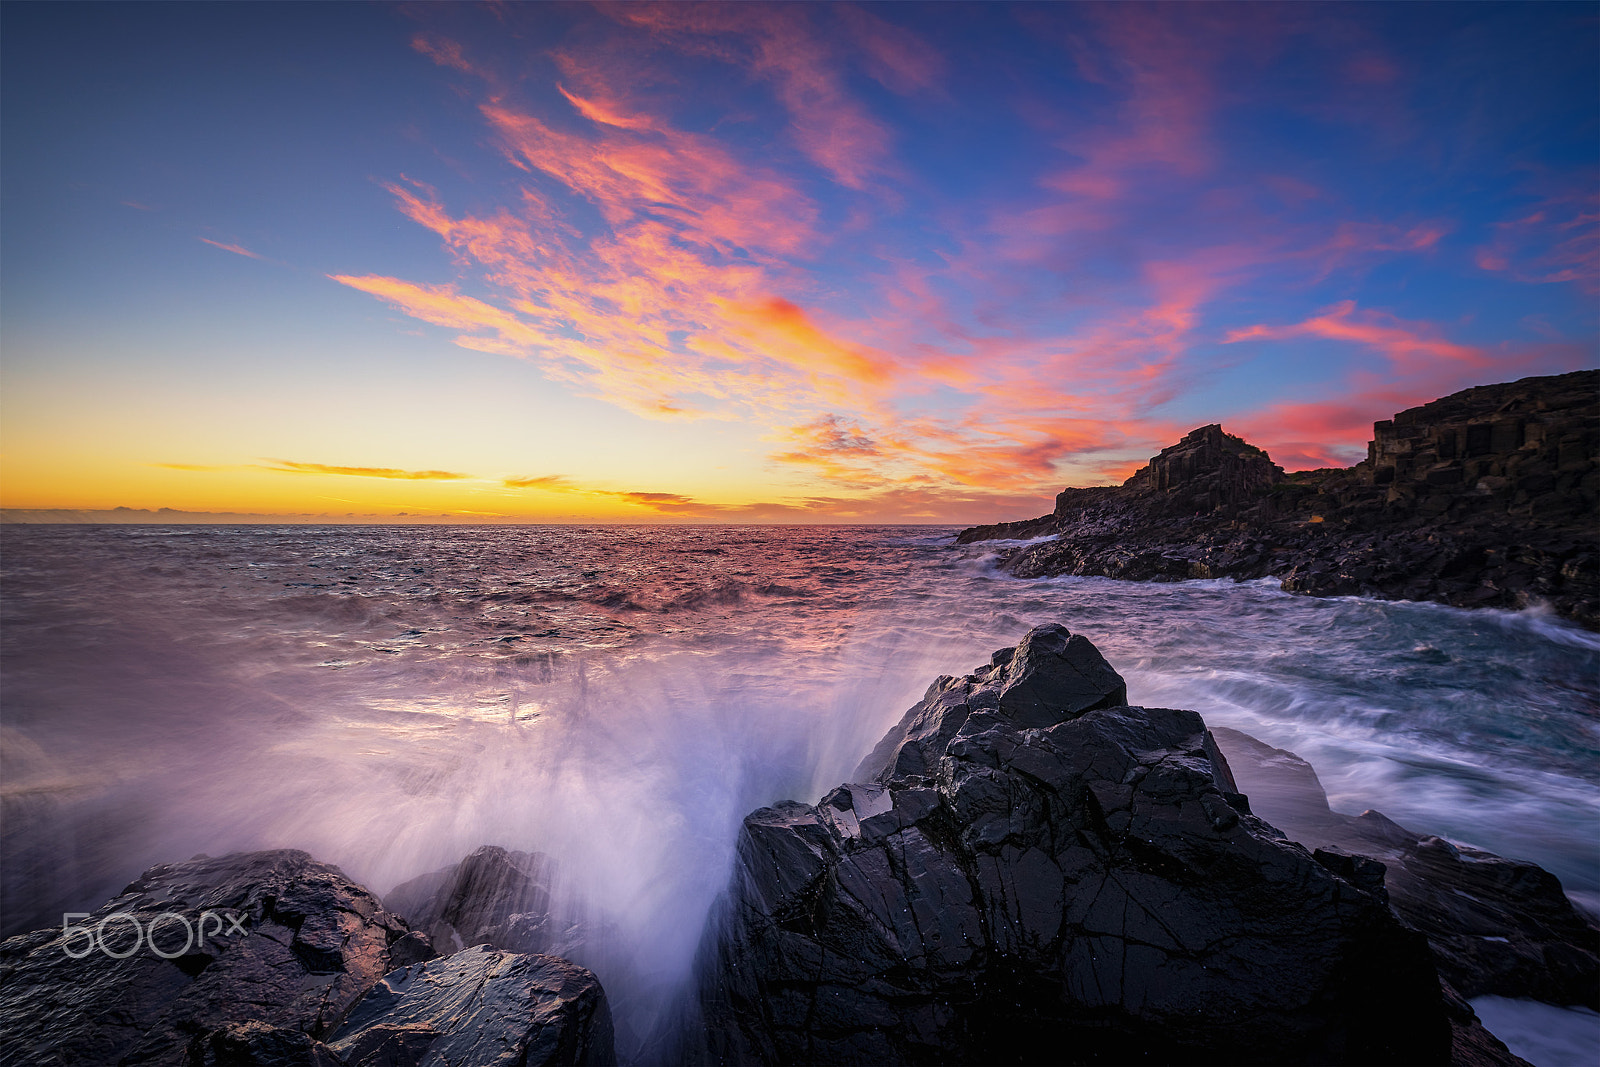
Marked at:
<point>1489,497</point>
<point>1026,869</point>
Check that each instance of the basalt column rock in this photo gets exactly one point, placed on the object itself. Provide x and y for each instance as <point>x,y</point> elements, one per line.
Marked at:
<point>292,946</point>
<point>1208,469</point>
<point>1489,497</point>
<point>1036,872</point>
<point>1529,448</point>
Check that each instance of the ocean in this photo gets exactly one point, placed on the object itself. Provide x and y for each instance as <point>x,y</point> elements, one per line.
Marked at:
<point>388,698</point>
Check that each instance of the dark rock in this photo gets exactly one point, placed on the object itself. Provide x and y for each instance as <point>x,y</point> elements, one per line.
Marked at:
<point>1496,926</point>
<point>1052,675</point>
<point>1206,470</point>
<point>1471,1043</point>
<point>1082,888</point>
<point>492,897</point>
<point>479,1007</point>
<point>308,943</point>
<point>258,1045</point>
<point>1486,498</point>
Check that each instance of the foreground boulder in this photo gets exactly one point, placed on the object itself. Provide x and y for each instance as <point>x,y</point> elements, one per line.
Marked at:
<point>292,945</point>
<point>1036,872</point>
<point>290,971</point>
<point>480,1007</point>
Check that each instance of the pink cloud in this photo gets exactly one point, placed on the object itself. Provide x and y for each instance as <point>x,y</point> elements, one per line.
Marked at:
<point>237,250</point>
<point>780,45</point>
<point>1408,346</point>
<point>896,57</point>
<point>1557,241</point>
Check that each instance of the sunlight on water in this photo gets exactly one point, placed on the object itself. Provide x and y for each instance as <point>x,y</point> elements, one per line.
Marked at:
<point>389,699</point>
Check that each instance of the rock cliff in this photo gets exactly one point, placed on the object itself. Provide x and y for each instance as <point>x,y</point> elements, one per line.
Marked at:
<point>1486,498</point>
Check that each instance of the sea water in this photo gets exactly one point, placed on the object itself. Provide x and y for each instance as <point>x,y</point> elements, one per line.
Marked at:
<point>389,698</point>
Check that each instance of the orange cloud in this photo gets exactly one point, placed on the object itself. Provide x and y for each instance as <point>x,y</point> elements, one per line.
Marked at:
<point>709,287</point>
<point>284,466</point>
<point>607,114</point>
<point>783,330</point>
<point>442,306</point>
<point>555,482</point>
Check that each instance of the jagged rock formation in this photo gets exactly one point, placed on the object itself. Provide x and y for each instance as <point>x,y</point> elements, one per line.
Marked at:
<point>1038,873</point>
<point>1497,926</point>
<point>311,943</point>
<point>492,897</point>
<point>291,947</point>
<point>1486,498</point>
<point>1208,470</point>
<point>480,1006</point>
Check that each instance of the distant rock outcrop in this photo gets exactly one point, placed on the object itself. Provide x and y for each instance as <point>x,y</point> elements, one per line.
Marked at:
<point>1208,470</point>
<point>1486,498</point>
<point>1037,873</point>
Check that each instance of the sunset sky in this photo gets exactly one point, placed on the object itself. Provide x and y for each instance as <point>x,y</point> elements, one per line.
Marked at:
<point>903,263</point>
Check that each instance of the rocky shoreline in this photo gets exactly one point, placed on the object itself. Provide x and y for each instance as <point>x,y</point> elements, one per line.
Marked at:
<point>1026,869</point>
<point>1486,498</point>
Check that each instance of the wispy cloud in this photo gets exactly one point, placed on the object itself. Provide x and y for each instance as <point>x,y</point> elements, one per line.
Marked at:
<point>237,250</point>
<point>284,466</point>
<point>1409,346</point>
<point>781,44</point>
<point>203,468</point>
<point>1556,240</point>
<point>552,482</point>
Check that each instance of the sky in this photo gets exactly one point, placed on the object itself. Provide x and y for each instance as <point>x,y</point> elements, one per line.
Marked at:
<point>763,262</point>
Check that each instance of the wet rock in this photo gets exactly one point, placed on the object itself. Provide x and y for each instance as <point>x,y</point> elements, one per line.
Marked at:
<point>290,943</point>
<point>1052,675</point>
<point>492,897</point>
<point>482,1007</point>
<point>258,1045</point>
<point>1496,926</point>
<point>1086,886</point>
<point>1485,498</point>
